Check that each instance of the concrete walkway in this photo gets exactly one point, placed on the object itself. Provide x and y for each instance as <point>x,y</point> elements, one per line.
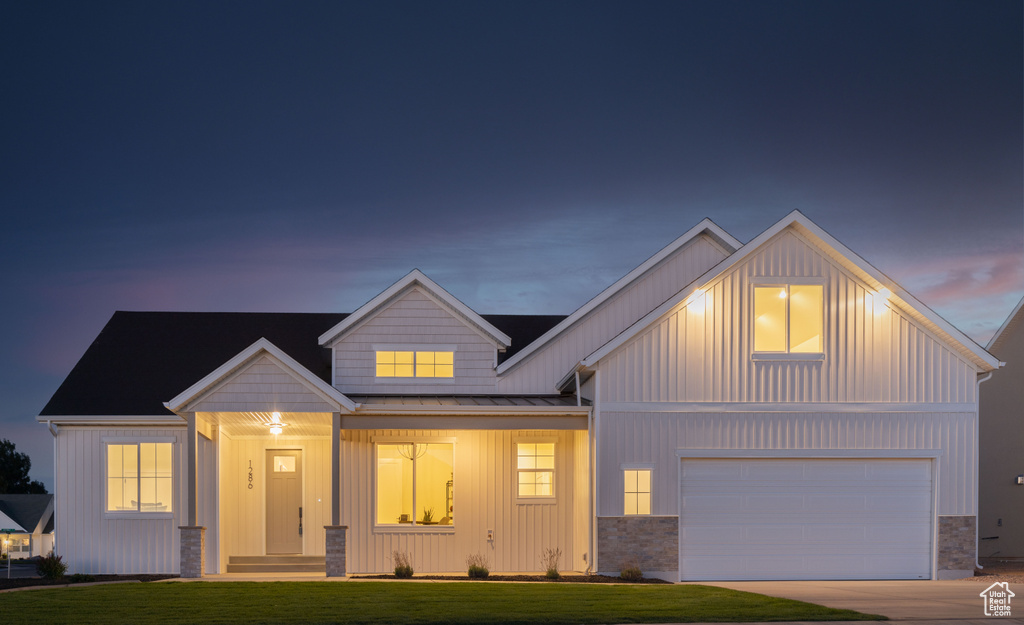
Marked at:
<point>919,601</point>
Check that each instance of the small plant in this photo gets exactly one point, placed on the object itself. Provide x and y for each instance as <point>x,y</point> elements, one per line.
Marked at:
<point>631,571</point>
<point>477,564</point>
<point>549,560</point>
<point>51,567</point>
<point>80,578</point>
<point>403,564</point>
<point>428,516</point>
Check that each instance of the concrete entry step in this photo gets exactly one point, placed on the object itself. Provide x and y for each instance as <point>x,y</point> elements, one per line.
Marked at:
<point>277,564</point>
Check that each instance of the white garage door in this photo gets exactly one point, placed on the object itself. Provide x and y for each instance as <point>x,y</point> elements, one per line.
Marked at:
<point>805,519</point>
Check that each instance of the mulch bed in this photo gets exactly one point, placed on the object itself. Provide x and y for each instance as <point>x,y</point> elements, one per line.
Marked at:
<point>571,579</point>
<point>21,582</point>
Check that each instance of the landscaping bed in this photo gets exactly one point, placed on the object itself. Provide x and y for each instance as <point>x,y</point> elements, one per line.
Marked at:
<point>23,582</point>
<point>580,579</point>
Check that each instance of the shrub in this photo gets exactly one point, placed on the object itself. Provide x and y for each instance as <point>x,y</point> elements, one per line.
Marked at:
<point>549,561</point>
<point>631,571</point>
<point>80,578</point>
<point>403,564</point>
<point>477,564</point>
<point>51,567</point>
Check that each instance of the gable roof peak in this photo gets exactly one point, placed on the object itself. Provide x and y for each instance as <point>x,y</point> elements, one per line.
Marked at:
<point>417,278</point>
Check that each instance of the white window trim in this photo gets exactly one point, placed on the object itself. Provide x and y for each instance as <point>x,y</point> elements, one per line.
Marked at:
<point>785,283</point>
<point>106,441</point>
<point>635,466</point>
<point>392,347</point>
<point>534,499</point>
<point>412,528</point>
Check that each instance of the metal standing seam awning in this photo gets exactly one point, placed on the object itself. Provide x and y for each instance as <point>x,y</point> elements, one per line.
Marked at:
<point>474,412</point>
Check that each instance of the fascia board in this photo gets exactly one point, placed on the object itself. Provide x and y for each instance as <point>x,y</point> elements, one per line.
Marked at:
<point>189,395</point>
<point>1006,324</point>
<point>412,278</point>
<point>167,420</point>
<point>706,226</point>
<point>875,278</point>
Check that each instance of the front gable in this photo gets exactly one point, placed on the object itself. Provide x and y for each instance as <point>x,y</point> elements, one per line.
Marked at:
<point>261,378</point>
<point>700,346</point>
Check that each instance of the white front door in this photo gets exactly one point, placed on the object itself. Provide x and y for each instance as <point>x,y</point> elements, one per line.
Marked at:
<point>284,501</point>
<point>804,519</point>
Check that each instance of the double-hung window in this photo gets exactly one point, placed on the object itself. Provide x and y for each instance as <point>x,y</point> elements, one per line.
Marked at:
<point>415,484</point>
<point>535,470</point>
<point>789,318</point>
<point>139,477</point>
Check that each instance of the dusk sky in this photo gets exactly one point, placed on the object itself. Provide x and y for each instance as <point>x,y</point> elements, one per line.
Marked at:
<point>302,156</point>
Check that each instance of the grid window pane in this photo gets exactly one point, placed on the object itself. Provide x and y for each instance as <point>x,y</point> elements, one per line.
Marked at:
<point>637,495</point>
<point>769,319</point>
<point>535,463</point>
<point>805,318</point>
<point>139,477</point>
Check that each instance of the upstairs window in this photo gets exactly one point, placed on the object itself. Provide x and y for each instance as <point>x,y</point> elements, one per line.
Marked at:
<point>789,319</point>
<point>415,364</point>
<point>139,477</point>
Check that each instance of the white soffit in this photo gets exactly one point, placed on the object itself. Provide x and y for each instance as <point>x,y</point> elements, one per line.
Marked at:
<point>443,297</point>
<point>847,259</point>
<point>263,346</point>
<point>706,227</point>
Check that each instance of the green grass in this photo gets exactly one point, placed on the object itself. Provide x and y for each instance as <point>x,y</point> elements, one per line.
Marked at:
<point>217,603</point>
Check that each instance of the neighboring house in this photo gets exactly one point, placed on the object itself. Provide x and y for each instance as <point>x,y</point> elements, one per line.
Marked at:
<point>31,516</point>
<point>774,410</point>
<point>1001,478</point>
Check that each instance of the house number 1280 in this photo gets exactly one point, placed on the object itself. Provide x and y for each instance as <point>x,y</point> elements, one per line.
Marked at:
<point>250,475</point>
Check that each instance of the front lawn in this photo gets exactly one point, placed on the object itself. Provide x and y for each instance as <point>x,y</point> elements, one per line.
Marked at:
<point>216,603</point>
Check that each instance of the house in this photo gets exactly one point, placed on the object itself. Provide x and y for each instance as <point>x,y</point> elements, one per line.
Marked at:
<point>1001,476</point>
<point>31,518</point>
<point>778,409</point>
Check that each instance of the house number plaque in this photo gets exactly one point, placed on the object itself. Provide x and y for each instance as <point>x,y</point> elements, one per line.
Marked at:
<point>250,475</point>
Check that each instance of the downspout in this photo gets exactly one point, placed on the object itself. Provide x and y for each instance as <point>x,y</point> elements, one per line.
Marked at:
<point>977,466</point>
<point>53,432</point>
<point>590,468</point>
<point>593,470</point>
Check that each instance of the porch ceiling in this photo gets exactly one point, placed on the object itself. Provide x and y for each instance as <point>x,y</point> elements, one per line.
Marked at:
<point>300,424</point>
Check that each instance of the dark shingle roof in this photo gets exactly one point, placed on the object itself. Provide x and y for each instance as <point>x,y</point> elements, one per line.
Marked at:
<point>26,510</point>
<point>142,359</point>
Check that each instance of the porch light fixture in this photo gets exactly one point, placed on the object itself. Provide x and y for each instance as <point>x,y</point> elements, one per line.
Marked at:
<point>276,424</point>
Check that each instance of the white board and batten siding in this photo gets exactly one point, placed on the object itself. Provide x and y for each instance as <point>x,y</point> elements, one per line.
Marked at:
<point>414,319</point>
<point>92,541</point>
<point>484,499</point>
<point>703,353</point>
<point>540,372</point>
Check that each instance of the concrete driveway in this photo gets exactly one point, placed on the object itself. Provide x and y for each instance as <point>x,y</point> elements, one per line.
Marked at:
<point>932,601</point>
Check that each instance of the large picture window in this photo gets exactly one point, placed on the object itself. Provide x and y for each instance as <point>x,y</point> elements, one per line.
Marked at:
<point>535,469</point>
<point>139,477</point>
<point>415,484</point>
<point>788,319</point>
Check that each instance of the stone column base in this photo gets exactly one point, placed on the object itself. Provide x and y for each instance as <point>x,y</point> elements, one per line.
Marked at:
<point>957,546</point>
<point>193,551</point>
<point>337,535</point>
<point>650,542</point>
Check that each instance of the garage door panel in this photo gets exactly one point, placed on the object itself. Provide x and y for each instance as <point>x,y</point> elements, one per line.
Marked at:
<point>805,519</point>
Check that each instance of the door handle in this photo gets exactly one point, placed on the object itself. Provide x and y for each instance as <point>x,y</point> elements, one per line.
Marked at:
<point>300,520</point>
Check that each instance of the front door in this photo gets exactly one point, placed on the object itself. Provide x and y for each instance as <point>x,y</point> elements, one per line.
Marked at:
<point>284,501</point>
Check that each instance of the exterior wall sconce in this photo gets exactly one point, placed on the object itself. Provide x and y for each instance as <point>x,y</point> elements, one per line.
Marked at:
<point>1020,480</point>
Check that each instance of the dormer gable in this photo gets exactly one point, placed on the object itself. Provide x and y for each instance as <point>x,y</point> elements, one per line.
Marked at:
<point>415,338</point>
<point>416,280</point>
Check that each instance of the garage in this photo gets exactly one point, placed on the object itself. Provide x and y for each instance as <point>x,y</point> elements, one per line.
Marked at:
<point>804,519</point>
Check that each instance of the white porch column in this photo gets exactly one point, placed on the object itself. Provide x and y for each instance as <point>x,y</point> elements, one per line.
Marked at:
<point>192,541</point>
<point>335,468</point>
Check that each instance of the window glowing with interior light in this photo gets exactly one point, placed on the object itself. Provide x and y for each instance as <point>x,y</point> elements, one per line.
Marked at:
<point>139,477</point>
<point>409,364</point>
<point>637,491</point>
<point>535,468</point>
<point>415,484</point>
<point>789,318</point>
